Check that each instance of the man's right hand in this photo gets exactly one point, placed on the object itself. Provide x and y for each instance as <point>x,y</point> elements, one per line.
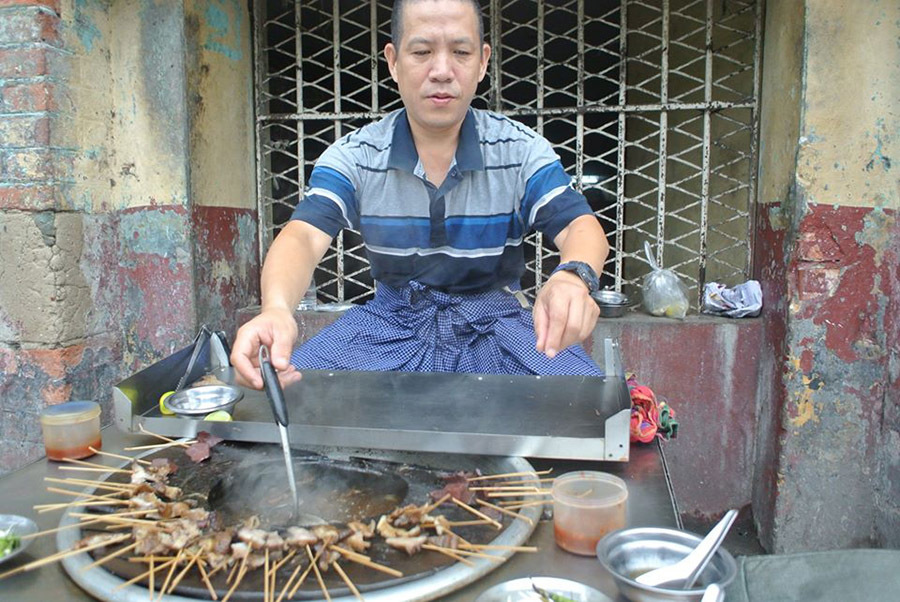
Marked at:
<point>275,328</point>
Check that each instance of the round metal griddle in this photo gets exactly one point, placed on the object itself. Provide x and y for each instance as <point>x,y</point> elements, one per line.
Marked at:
<point>336,484</point>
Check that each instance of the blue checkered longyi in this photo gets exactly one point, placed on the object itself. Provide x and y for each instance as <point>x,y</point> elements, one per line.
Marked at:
<point>419,329</point>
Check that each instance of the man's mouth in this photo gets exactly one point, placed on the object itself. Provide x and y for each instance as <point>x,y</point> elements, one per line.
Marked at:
<point>441,98</point>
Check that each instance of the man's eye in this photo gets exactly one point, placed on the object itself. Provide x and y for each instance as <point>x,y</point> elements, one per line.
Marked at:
<point>420,52</point>
<point>463,52</point>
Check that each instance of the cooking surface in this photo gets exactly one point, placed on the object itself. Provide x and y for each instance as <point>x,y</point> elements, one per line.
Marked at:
<point>649,504</point>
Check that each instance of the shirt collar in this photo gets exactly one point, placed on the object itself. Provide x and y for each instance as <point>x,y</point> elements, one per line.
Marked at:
<point>404,156</point>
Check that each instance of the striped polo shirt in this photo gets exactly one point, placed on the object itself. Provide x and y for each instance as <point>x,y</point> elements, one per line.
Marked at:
<point>465,236</point>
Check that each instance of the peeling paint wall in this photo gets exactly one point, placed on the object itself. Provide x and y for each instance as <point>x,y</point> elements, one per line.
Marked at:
<point>827,252</point>
<point>126,194</point>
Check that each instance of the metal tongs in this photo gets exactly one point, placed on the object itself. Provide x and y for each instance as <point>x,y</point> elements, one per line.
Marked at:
<point>279,409</point>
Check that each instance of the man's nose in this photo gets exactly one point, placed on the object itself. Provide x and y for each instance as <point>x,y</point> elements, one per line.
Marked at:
<point>441,69</point>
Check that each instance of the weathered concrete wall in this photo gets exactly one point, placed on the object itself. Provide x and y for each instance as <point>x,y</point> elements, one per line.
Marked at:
<point>828,246</point>
<point>126,209</point>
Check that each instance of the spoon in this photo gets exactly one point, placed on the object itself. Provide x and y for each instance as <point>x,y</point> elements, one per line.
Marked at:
<point>713,593</point>
<point>685,572</point>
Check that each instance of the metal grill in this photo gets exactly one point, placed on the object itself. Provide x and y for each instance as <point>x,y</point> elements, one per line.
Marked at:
<point>651,104</point>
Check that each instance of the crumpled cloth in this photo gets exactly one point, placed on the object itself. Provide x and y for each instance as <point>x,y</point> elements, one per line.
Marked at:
<point>744,300</point>
<point>650,418</point>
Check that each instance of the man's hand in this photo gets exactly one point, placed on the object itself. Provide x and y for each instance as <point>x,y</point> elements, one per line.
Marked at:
<point>564,313</point>
<point>275,328</point>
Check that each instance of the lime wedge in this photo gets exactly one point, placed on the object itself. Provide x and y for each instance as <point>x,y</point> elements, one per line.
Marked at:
<point>219,416</point>
<point>162,403</point>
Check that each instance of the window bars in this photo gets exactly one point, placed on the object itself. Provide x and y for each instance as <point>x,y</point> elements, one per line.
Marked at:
<point>652,106</point>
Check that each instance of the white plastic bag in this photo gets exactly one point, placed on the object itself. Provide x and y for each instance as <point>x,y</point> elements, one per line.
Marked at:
<point>664,292</point>
<point>741,301</point>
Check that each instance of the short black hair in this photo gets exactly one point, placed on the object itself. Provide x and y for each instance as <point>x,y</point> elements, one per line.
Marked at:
<point>397,20</point>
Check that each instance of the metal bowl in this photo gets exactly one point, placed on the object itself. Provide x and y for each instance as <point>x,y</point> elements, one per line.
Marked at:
<point>521,590</point>
<point>628,553</point>
<point>612,304</point>
<point>13,524</point>
<point>203,400</point>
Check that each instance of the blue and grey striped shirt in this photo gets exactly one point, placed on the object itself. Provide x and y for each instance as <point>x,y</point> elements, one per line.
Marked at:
<point>462,237</point>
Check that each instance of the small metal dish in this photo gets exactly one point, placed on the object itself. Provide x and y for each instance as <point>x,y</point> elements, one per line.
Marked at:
<point>203,400</point>
<point>612,304</point>
<point>628,553</point>
<point>13,524</point>
<point>522,589</point>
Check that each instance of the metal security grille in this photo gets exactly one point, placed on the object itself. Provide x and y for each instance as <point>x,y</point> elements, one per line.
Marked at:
<point>652,106</point>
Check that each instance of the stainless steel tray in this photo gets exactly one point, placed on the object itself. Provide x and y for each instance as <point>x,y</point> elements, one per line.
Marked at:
<point>569,417</point>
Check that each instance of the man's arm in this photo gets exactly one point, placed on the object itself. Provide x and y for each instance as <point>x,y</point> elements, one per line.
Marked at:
<point>286,274</point>
<point>564,312</point>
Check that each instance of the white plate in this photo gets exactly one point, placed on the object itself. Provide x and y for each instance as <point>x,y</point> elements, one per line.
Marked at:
<point>17,525</point>
<point>521,590</point>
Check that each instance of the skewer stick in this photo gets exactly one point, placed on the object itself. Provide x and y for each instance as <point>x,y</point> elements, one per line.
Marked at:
<point>505,511</point>
<point>315,568</point>
<point>527,481</point>
<point>165,585</point>
<point>110,556</point>
<point>152,573</point>
<point>307,571</point>
<point>42,508</point>
<point>429,546</point>
<point>91,469</point>
<point>448,552</point>
<point>60,555</point>
<point>527,473</point>
<point>111,518</point>
<point>266,578</point>
<point>291,578</point>
<point>119,456</point>
<point>89,496</point>
<point>370,564</point>
<point>347,552</point>
<point>346,579</point>
<point>477,513</point>
<point>467,523</point>
<point>94,465</point>
<point>517,493</point>
<point>478,546</point>
<point>506,488</point>
<point>160,445</point>
<point>149,573</point>
<point>49,531</point>
<point>237,580</point>
<point>183,572</point>
<point>514,505</point>
<point>161,437</point>
<point>431,507</point>
<point>88,483</point>
<point>205,577</point>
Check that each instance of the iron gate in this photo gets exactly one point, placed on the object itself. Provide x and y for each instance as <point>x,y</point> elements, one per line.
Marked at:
<point>652,106</point>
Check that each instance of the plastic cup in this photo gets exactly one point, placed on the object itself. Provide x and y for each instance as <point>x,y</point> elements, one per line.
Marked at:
<point>70,429</point>
<point>586,506</point>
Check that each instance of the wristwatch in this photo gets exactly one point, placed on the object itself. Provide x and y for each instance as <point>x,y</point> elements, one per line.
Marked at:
<point>584,271</point>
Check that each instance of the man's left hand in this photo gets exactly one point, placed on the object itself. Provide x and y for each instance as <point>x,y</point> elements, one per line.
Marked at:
<point>564,313</point>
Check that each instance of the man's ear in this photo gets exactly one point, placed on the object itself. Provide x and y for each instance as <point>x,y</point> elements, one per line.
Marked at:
<point>485,60</point>
<point>390,53</point>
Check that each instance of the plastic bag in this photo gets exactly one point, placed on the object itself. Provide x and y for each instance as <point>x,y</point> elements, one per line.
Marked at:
<point>664,293</point>
<point>741,301</point>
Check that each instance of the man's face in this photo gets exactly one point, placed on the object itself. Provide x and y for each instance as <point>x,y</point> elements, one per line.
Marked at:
<point>439,63</point>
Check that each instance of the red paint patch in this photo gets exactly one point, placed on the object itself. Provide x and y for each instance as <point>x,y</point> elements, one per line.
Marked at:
<point>806,361</point>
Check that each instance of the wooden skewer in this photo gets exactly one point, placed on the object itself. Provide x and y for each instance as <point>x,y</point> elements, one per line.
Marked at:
<point>505,511</point>
<point>346,579</point>
<point>206,582</point>
<point>237,580</point>
<point>307,571</point>
<point>517,493</point>
<point>527,481</point>
<point>514,505</point>
<point>232,572</point>
<point>89,496</point>
<point>42,508</point>
<point>448,552</point>
<point>149,573</point>
<point>431,507</point>
<point>347,552</point>
<point>60,555</point>
<point>299,582</point>
<point>183,572</point>
<point>506,488</point>
<point>95,465</point>
<point>110,556</point>
<point>372,565</point>
<point>49,531</point>
<point>478,546</point>
<point>526,473</point>
<point>429,546</point>
<point>150,558</point>
<point>174,565</point>
<point>90,469</point>
<point>162,438</point>
<point>117,487</point>
<point>468,523</point>
<point>266,578</point>
<point>477,513</point>
<point>119,456</point>
<point>112,518</point>
<point>160,445</point>
<point>150,585</point>
<point>318,574</point>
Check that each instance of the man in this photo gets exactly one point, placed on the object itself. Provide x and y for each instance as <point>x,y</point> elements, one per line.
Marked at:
<point>443,195</point>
